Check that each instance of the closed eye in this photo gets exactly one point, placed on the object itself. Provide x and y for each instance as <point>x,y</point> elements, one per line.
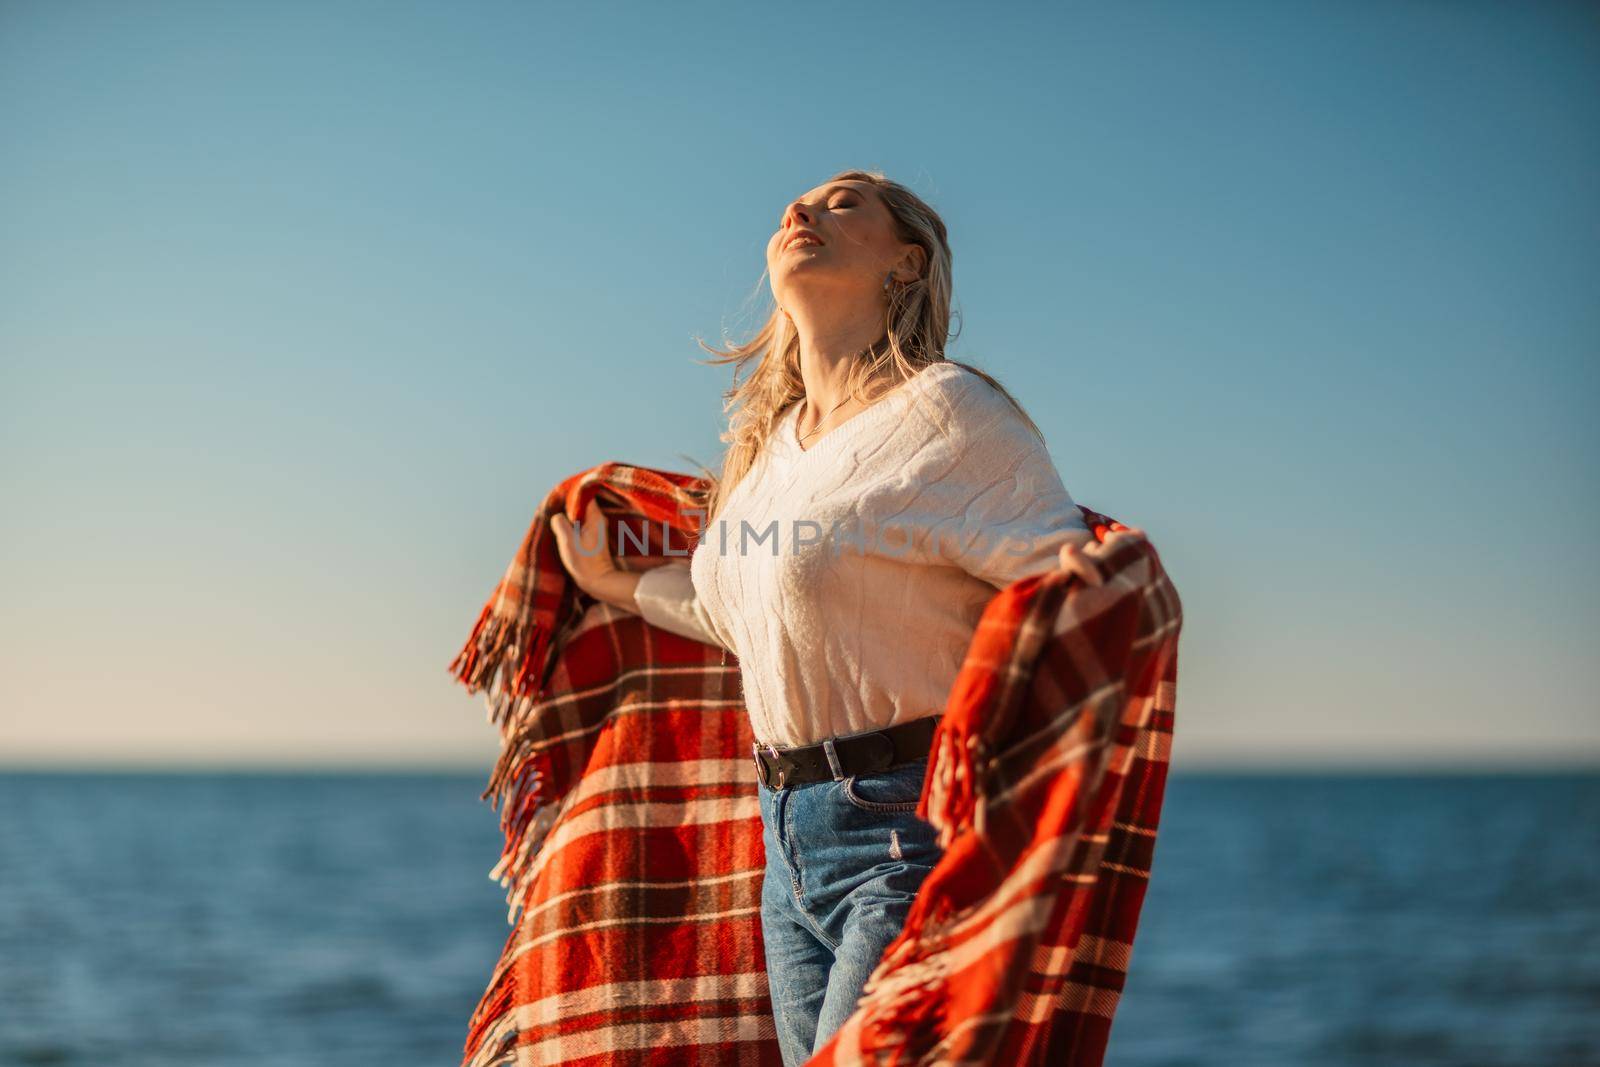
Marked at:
<point>837,206</point>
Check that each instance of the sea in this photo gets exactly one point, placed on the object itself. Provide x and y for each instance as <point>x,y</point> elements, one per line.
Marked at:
<point>306,919</point>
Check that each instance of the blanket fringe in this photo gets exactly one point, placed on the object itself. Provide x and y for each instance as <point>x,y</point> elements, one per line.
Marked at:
<point>504,662</point>
<point>527,811</point>
<point>950,801</point>
<point>503,658</point>
<point>491,1032</point>
<point>526,816</point>
<point>902,1015</point>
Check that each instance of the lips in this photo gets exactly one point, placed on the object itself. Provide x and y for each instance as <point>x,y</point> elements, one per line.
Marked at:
<point>801,239</point>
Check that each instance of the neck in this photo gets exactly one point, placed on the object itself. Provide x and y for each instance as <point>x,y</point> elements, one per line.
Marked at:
<point>829,343</point>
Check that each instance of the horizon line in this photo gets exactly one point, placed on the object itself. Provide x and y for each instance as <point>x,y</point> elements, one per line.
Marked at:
<point>1589,765</point>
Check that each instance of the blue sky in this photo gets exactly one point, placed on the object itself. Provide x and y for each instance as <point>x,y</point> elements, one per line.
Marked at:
<point>304,307</point>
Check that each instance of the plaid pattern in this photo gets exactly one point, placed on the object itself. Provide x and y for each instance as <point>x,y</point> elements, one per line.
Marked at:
<point>633,854</point>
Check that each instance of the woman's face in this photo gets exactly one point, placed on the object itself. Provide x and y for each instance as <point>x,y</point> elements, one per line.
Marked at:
<point>838,236</point>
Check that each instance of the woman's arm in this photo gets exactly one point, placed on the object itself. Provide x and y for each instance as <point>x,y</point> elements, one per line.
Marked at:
<point>664,596</point>
<point>1019,518</point>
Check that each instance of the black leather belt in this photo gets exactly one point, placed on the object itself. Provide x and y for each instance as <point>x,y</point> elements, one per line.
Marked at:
<point>863,753</point>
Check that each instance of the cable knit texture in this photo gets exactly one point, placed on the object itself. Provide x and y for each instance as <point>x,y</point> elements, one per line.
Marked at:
<point>849,577</point>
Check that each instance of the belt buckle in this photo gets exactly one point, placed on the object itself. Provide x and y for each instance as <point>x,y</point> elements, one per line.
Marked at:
<point>761,768</point>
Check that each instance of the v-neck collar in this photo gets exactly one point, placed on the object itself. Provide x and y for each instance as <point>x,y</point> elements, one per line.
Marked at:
<point>785,443</point>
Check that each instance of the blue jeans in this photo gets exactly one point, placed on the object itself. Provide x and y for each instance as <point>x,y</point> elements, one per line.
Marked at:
<point>845,858</point>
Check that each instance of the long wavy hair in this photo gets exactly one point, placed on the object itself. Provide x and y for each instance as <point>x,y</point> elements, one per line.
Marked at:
<point>916,324</point>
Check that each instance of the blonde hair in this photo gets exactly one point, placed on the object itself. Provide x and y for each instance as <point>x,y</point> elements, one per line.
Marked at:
<point>917,324</point>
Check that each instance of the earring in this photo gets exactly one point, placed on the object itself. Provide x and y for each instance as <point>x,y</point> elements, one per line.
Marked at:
<point>887,279</point>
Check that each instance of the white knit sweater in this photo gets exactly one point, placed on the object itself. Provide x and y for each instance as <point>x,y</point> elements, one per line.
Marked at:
<point>849,577</point>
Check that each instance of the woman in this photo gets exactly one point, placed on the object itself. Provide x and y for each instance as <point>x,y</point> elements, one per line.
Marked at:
<point>874,497</point>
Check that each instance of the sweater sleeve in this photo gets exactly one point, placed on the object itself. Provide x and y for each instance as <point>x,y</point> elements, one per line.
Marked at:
<point>1019,514</point>
<point>666,598</point>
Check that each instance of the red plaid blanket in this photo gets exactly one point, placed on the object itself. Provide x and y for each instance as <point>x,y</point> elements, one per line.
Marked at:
<point>633,854</point>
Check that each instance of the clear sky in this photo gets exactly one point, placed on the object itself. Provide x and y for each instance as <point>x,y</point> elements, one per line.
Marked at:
<point>303,308</point>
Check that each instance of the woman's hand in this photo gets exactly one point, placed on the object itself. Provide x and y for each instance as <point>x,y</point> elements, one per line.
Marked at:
<point>1083,559</point>
<point>589,560</point>
<point>1074,559</point>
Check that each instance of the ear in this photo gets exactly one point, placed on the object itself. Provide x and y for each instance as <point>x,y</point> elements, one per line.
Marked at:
<point>911,263</point>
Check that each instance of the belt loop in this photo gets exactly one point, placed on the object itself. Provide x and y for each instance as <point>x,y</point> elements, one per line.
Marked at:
<point>833,758</point>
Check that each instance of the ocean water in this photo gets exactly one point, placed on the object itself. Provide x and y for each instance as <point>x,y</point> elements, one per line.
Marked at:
<point>306,919</point>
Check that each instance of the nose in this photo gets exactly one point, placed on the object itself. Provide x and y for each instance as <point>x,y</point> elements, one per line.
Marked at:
<point>797,212</point>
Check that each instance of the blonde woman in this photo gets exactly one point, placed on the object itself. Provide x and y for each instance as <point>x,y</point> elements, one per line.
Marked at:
<point>874,497</point>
